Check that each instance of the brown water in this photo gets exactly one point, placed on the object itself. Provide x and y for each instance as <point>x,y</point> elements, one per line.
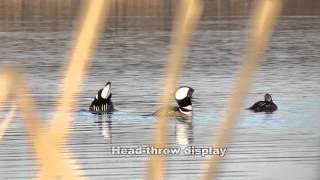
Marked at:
<point>132,54</point>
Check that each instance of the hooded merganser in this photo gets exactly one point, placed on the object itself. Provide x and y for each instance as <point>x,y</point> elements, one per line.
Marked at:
<point>264,106</point>
<point>102,101</point>
<point>183,96</point>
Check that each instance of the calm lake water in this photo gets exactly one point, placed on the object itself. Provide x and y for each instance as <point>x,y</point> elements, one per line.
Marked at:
<point>132,55</point>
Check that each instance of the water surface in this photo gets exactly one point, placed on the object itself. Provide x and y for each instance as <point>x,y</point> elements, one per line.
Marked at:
<point>132,55</point>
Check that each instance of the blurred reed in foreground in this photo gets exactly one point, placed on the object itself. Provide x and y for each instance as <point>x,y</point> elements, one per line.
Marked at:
<point>5,123</point>
<point>50,157</point>
<point>54,160</point>
<point>187,17</point>
<point>262,21</point>
<point>90,28</point>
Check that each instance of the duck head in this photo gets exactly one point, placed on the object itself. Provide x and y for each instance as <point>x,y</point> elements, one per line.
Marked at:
<point>267,98</point>
<point>183,97</point>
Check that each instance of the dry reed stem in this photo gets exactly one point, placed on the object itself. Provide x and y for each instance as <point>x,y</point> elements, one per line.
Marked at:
<point>90,28</point>
<point>4,86</point>
<point>54,161</point>
<point>261,25</point>
<point>5,123</point>
<point>186,20</point>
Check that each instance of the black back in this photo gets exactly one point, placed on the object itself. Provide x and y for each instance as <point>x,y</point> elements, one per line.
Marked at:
<point>101,104</point>
<point>264,106</point>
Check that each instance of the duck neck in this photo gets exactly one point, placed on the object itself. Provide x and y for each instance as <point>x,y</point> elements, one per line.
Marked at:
<point>268,102</point>
<point>187,110</point>
<point>108,100</point>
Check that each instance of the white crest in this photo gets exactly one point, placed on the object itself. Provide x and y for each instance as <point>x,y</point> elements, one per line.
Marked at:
<point>106,91</point>
<point>182,93</point>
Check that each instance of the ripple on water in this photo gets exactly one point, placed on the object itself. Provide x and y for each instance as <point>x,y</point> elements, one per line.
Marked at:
<point>282,145</point>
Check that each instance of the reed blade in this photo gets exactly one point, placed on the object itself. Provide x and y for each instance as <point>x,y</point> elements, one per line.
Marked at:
<point>186,20</point>
<point>91,25</point>
<point>5,123</point>
<point>262,22</point>
<point>50,157</point>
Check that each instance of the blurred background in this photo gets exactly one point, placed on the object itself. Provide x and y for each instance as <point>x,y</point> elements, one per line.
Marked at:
<point>36,35</point>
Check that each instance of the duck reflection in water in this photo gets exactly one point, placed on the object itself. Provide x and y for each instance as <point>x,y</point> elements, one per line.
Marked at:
<point>184,130</point>
<point>104,124</point>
